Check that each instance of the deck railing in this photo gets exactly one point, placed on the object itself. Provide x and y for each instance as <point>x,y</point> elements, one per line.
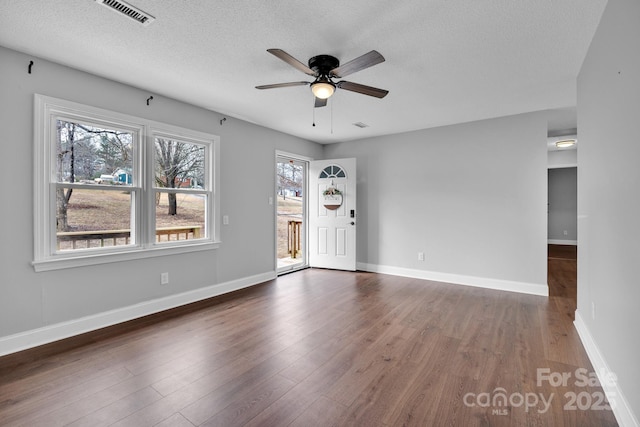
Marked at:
<point>121,237</point>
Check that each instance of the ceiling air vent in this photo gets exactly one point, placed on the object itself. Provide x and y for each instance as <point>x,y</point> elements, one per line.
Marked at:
<point>126,9</point>
<point>361,125</point>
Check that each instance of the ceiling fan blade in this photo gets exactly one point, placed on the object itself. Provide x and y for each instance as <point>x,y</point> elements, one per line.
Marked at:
<point>365,90</point>
<point>277,85</point>
<point>320,102</point>
<point>360,63</point>
<point>291,61</point>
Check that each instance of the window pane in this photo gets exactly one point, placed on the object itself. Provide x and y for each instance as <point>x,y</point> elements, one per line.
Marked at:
<point>180,216</point>
<point>332,171</point>
<point>92,218</point>
<point>91,154</point>
<point>179,164</point>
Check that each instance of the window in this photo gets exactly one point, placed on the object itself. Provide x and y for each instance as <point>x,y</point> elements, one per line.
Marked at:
<point>111,187</point>
<point>332,171</point>
<point>180,182</point>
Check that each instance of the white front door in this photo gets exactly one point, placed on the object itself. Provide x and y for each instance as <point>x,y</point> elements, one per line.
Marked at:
<point>332,214</point>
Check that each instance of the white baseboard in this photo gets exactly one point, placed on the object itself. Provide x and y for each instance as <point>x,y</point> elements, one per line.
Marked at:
<point>562,242</point>
<point>621,409</point>
<point>58,331</point>
<point>458,279</point>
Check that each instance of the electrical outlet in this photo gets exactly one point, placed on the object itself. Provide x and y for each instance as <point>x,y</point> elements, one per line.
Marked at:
<point>420,256</point>
<point>164,278</point>
<point>593,310</point>
<point>565,232</point>
<point>225,219</point>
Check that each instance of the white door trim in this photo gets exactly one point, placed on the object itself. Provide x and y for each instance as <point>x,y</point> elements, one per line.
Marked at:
<point>305,211</point>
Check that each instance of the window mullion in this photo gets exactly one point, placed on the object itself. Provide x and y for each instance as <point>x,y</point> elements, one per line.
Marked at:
<point>147,196</point>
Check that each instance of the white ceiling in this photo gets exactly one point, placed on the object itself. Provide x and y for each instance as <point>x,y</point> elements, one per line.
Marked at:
<point>447,61</point>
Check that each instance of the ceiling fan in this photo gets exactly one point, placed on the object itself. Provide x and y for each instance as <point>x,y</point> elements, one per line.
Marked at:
<point>325,68</point>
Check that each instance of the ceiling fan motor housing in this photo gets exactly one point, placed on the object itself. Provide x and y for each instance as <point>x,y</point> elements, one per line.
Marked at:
<point>323,64</point>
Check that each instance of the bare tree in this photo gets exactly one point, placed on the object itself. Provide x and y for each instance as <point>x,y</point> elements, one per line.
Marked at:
<point>112,148</point>
<point>79,149</point>
<point>66,147</point>
<point>289,177</point>
<point>176,164</point>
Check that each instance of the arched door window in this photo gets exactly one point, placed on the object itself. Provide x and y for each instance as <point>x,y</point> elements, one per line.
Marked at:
<point>332,171</point>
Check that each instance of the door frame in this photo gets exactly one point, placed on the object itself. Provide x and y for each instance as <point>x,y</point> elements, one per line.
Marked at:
<point>305,211</point>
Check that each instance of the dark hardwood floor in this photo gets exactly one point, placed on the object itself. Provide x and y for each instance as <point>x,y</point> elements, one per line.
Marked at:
<point>317,348</point>
<point>563,278</point>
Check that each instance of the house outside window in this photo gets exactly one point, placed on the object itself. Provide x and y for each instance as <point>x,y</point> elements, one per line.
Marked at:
<point>110,187</point>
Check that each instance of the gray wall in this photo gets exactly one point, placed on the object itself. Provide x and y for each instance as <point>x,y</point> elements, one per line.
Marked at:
<point>562,158</point>
<point>563,205</point>
<point>472,197</point>
<point>609,195</point>
<point>30,300</point>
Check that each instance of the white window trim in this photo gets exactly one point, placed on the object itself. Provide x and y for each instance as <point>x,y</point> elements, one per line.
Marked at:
<point>45,258</point>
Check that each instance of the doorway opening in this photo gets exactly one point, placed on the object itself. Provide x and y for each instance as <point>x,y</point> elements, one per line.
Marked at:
<point>291,213</point>
<point>562,236</point>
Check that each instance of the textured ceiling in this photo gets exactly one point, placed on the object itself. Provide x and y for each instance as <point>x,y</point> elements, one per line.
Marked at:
<point>447,61</point>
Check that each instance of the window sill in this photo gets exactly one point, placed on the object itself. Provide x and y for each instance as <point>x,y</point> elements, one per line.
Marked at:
<point>64,262</point>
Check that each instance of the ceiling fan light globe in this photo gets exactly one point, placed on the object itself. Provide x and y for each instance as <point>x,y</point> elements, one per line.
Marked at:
<point>322,90</point>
